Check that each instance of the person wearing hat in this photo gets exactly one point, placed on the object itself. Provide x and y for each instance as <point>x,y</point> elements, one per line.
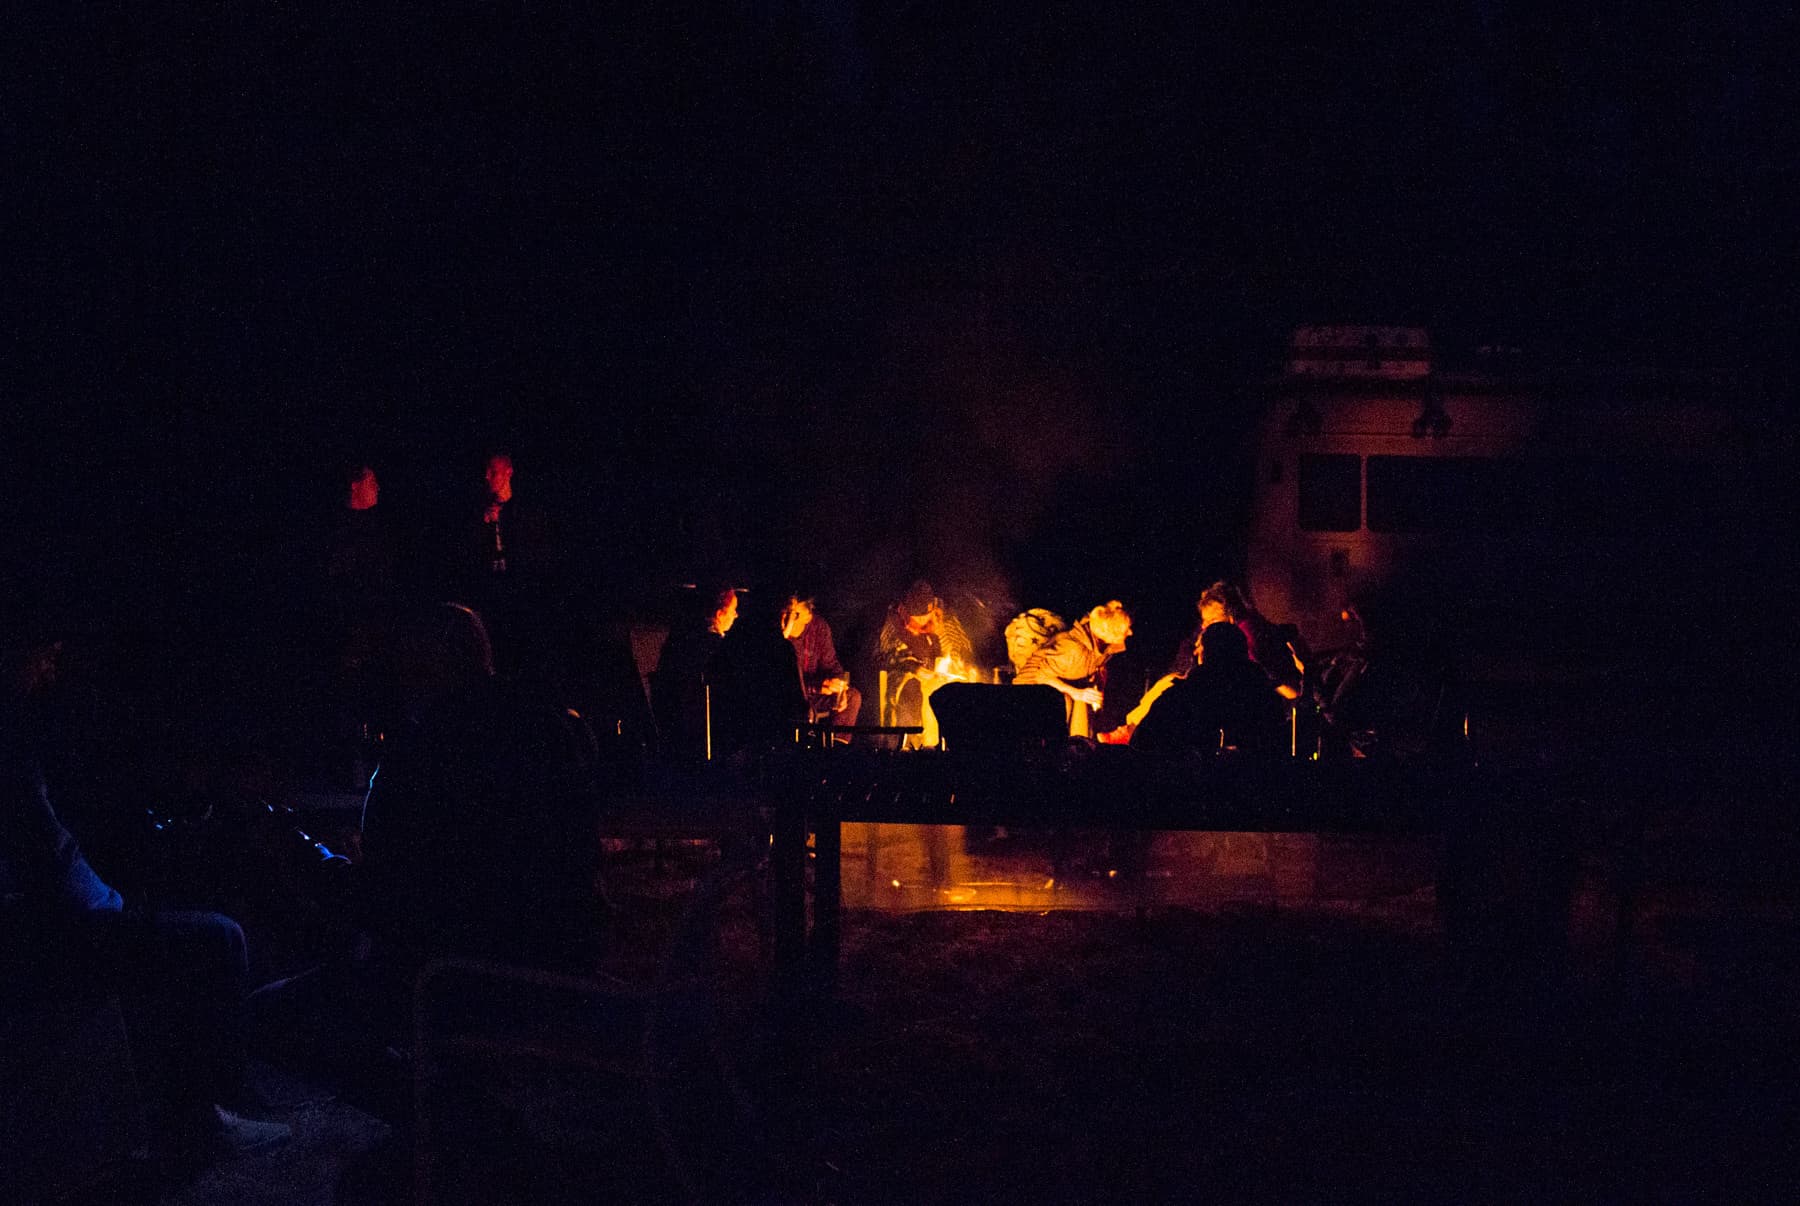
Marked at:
<point>916,638</point>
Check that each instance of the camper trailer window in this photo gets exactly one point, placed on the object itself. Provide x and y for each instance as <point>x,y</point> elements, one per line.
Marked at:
<point>1330,493</point>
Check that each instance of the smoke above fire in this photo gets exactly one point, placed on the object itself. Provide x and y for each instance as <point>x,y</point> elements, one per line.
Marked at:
<point>948,462</point>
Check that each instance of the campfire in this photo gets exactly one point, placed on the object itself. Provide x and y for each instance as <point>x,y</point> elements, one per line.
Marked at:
<point>948,670</point>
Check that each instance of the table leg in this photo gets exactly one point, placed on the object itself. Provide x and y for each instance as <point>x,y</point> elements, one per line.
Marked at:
<point>828,904</point>
<point>787,861</point>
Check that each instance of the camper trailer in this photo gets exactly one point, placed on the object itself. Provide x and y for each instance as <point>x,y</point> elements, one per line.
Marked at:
<point>1536,524</point>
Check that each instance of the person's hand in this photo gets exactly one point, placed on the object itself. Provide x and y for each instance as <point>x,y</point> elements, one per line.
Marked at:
<point>834,686</point>
<point>1090,696</point>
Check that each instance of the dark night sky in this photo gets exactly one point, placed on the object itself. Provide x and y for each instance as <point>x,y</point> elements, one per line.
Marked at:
<point>837,287</point>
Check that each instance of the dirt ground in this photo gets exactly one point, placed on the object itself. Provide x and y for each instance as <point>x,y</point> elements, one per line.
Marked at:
<point>1284,1056</point>
<point>1228,1042</point>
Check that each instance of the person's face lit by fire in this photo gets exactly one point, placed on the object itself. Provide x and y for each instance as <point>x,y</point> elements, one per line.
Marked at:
<point>365,490</point>
<point>499,476</point>
<point>727,614</point>
<point>1212,612</point>
<point>794,618</point>
<point>928,620</point>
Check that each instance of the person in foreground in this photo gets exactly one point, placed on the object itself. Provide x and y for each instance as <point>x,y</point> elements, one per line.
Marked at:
<point>479,827</point>
<point>180,975</point>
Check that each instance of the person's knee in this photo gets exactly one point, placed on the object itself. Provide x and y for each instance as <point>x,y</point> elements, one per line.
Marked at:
<point>212,939</point>
<point>230,937</point>
<point>846,715</point>
<point>226,937</point>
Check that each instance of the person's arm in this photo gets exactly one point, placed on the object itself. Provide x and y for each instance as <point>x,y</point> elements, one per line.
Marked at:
<point>1136,716</point>
<point>1087,695</point>
<point>833,679</point>
<point>1056,665</point>
<point>1183,661</point>
<point>895,650</point>
<point>1124,734</point>
<point>42,861</point>
<point>1271,651</point>
<point>1164,720</point>
<point>956,643</point>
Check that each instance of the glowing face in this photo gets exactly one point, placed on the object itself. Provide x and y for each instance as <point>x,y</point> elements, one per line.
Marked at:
<point>726,616</point>
<point>365,491</point>
<point>1112,630</point>
<point>927,621</point>
<point>1213,613</point>
<point>499,475</point>
<point>794,619</point>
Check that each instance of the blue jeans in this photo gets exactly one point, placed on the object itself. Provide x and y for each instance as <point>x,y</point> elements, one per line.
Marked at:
<point>180,977</point>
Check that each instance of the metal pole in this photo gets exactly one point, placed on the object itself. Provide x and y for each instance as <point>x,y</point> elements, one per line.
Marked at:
<point>707,689</point>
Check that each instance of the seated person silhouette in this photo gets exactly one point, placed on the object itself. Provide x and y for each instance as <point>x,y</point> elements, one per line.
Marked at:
<point>686,667</point>
<point>759,695</point>
<point>479,831</point>
<point>1226,701</point>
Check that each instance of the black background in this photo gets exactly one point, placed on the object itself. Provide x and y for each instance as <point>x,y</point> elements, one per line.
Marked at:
<point>833,292</point>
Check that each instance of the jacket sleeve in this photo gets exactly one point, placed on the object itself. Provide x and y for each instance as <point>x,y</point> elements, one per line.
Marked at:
<point>829,666</point>
<point>1062,659</point>
<point>893,649</point>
